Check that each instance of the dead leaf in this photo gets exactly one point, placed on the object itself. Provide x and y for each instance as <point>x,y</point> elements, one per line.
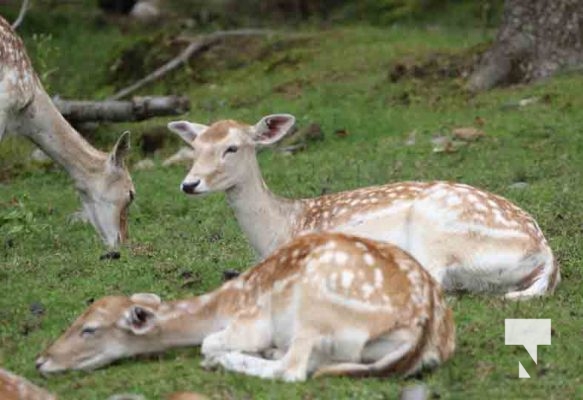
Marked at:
<point>341,132</point>
<point>411,138</point>
<point>468,134</point>
<point>528,101</point>
<point>443,144</point>
<point>479,121</point>
<point>184,155</point>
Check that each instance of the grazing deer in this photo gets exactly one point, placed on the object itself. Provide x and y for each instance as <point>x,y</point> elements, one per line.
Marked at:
<point>101,179</point>
<point>327,303</point>
<point>468,239</point>
<point>14,387</point>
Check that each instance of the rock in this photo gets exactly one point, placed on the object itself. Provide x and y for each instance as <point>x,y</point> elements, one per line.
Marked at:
<point>40,156</point>
<point>37,309</point>
<point>145,11</point>
<point>415,392</point>
<point>298,141</point>
<point>112,255</point>
<point>144,164</point>
<point>183,156</point>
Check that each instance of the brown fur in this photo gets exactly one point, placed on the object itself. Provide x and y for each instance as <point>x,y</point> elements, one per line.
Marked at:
<point>218,131</point>
<point>14,387</point>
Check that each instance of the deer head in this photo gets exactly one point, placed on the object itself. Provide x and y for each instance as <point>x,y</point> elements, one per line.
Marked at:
<point>107,194</point>
<point>111,328</point>
<point>225,151</point>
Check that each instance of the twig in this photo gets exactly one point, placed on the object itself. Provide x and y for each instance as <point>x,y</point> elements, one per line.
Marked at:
<point>196,46</point>
<point>21,14</point>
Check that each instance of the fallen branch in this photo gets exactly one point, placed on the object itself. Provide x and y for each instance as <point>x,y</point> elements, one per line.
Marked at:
<point>21,14</point>
<point>139,108</point>
<point>196,46</point>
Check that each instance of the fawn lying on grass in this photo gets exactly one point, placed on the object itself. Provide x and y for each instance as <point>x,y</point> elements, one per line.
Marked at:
<point>324,304</point>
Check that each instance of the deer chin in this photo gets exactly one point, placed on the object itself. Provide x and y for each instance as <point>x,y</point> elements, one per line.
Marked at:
<point>94,362</point>
<point>199,193</point>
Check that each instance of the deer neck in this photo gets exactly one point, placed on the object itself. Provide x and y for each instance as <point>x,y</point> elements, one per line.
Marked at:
<point>266,219</point>
<point>44,125</point>
<point>187,322</point>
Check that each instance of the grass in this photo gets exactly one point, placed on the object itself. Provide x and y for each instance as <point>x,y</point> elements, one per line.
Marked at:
<point>338,79</point>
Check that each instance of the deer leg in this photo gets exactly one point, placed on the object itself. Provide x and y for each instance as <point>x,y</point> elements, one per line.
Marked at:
<point>249,332</point>
<point>292,367</point>
<point>249,365</point>
<point>302,356</point>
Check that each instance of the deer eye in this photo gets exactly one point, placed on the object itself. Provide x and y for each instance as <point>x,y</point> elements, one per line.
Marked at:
<point>88,331</point>
<point>231,149</point>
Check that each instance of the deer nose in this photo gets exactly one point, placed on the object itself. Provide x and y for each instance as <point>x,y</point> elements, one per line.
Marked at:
<point>189,187</point>
<point>39,362</point>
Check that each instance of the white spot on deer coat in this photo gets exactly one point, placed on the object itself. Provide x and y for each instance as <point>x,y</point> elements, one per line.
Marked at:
<point>453,200</point>
<point>367,290</point>
<point>368,259</point>
<point>378,278</point>
<point>347,277</point>
<point>341,257</point>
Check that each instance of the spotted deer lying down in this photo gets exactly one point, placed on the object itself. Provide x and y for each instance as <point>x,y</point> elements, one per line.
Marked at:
<point>14,387</point>
<point>468,239</point>
<point>326,304</point>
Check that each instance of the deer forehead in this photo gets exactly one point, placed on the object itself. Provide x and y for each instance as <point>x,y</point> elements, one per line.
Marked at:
<point>107,309</point>
<point>222,131</point>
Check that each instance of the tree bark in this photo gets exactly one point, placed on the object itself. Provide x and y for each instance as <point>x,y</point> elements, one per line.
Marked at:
<point>139,108</point>
<point>536,39</point>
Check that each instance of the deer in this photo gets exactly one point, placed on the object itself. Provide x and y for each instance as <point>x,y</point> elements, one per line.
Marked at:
<point>324,304</point>
<point>468,239</point>
<point>14,387</point>
<point>101,179</point>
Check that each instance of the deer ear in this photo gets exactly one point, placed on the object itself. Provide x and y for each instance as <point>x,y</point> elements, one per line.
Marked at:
<point>188,131</point>
<point>272,128</point>
<point>120,150</point>
<point>138,319</point>
<point>146,298</point>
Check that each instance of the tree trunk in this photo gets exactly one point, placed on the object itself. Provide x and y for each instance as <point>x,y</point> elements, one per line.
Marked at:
<point>537,38</point>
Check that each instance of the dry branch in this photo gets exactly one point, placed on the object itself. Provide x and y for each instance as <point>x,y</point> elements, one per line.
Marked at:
<point>21,14</point>
<point>137,109</point>
<point>196,46</point>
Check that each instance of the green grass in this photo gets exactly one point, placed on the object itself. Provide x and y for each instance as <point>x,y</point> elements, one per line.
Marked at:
<point>338,78</point>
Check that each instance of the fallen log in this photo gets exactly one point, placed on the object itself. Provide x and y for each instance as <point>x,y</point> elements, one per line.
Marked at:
<point>137,109</point>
